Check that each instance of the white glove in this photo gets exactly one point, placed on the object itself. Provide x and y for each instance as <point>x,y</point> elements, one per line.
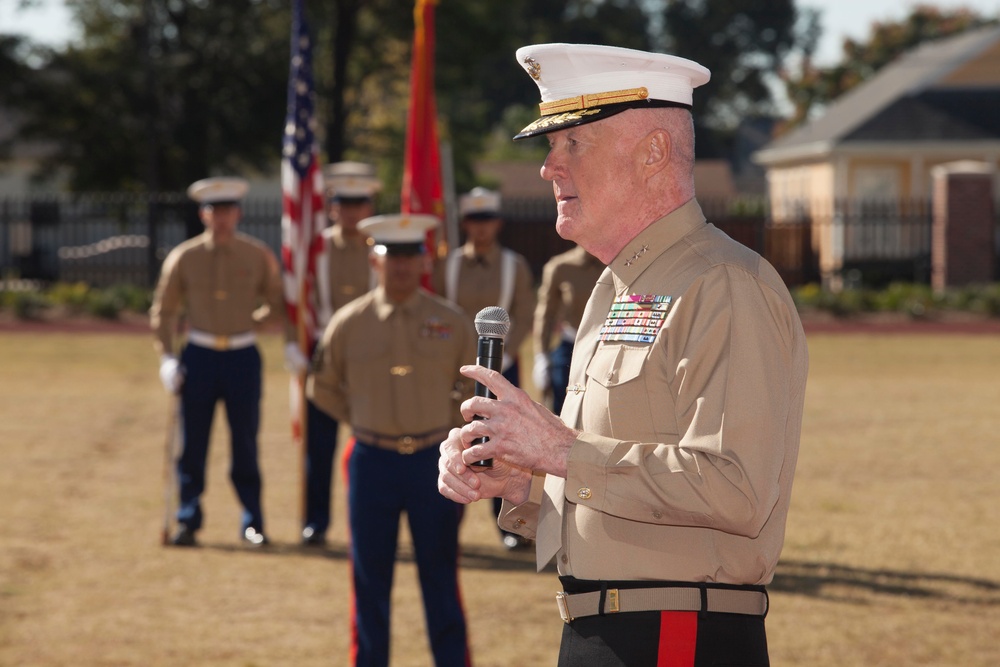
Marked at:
<point>171,373</point>
<point>295,361</point>
<point>540,372</point>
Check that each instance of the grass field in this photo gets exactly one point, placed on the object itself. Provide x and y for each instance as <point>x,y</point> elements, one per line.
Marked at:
<point>892,554</point>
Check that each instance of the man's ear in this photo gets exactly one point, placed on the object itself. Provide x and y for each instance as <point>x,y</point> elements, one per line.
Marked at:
<point>658,145</point>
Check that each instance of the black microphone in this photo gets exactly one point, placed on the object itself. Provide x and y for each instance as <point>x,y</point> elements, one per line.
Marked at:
<point>492,325</point>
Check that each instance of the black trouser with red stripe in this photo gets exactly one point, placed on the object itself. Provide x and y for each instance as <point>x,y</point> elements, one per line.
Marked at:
<point>661,638</point>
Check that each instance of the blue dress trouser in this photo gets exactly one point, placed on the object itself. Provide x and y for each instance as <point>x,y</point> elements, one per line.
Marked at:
<point>381,485</point>
<point>321,443</point>
<point>233,376</point>
<point>559,373</point>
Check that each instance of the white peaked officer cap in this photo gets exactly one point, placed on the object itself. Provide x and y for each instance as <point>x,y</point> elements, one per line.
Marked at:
<point>351,180</point>
<point>219,190</point>
<point>582,83</point>
<point>398,232</point>
<point>480,203</point>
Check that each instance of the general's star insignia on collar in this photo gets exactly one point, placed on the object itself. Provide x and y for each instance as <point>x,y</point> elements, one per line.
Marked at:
<point>638,253</point>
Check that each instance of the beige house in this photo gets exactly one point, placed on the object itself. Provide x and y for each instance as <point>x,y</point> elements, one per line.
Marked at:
<point>873,151</point>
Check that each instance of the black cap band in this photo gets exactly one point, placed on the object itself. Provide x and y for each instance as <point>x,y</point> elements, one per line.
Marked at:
<point>355,200</point>
<point>402,248</point>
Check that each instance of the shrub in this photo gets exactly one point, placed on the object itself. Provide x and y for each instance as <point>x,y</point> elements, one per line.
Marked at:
<point>28,305</point>
<point>105,304</point>
<point>132,298</point>
<point>915,300</point>
<point>74,296</point>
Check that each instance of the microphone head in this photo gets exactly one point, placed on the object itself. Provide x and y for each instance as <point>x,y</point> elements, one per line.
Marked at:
<point>493,322</point>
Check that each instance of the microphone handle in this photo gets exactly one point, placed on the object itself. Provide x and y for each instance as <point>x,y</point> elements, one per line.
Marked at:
<point>488,355</point>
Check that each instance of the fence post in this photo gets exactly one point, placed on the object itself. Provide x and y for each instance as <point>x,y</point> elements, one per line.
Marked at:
<point>152,229</point>
<point>962,250</point>
<point>6,257</point>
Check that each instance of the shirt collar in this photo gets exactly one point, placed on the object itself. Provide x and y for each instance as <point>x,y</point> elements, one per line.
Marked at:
<point>491,257</point>
<point>653,241</point>
<point>341,241</point>
<point>384,308</point>
<point>211,244</point>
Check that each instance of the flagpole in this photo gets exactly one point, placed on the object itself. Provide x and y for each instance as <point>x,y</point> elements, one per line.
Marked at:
<point>303,340</point>
<point>302,221</point>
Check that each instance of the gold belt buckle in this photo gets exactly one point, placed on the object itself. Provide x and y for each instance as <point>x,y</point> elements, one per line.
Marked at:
<point>611,604</point>
<point>561,602</point>
<point>406,445</point>
<point>222,343</point>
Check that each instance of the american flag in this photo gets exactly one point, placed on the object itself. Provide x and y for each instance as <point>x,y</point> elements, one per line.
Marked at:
<point>303,215</point>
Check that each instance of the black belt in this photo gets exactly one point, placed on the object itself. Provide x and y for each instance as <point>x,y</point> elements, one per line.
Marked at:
<point>403,444</point>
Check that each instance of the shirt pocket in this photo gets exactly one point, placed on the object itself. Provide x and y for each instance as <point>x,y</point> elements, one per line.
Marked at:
<point>435,349</point>
<point>617,400</point>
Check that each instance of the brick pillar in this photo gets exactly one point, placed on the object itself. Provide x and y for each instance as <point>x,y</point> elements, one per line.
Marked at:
<point>962,249</point>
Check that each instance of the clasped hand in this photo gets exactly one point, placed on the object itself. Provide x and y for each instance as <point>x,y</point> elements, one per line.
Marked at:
<point>523,437</point>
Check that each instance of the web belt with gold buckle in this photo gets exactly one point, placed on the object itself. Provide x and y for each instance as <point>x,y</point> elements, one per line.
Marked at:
<point>403,444</point>
<point>221,343</point>
<point>674,598</point>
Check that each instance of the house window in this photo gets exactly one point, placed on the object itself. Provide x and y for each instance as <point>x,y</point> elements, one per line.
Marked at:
<point>876,183</point>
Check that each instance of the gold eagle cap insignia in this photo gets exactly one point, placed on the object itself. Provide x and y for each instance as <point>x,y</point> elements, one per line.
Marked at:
<point>534,68</point>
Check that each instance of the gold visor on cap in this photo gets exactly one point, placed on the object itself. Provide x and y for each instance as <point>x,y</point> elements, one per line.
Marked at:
<point>593,100</point>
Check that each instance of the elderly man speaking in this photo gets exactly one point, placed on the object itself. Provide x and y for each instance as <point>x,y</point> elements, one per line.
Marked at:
<point>663,488</point>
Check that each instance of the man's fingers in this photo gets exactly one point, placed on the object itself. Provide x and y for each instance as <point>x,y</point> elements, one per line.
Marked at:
<point>445,488</point>
<point>455,480</point>
<point>492,380</point>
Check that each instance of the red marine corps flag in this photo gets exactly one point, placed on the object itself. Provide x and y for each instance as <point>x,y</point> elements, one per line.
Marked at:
<point>422,191</point>
<point>303,215</point>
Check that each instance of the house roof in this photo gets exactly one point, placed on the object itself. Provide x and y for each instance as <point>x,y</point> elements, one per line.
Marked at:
<point>933,92</point>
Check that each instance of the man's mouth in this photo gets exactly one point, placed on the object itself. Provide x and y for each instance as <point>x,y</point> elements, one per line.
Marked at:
<point>562,197</point>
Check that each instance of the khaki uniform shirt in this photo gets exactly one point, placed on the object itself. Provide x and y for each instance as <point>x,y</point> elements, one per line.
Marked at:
<point>347,273</point>
<point>220,288</point>
<point>690,430</point>
<point>392,369</point>
<point>479,287</point>
<point>567,281</point>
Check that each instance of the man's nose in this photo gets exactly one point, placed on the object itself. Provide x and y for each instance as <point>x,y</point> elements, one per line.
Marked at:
<point>551,168</point>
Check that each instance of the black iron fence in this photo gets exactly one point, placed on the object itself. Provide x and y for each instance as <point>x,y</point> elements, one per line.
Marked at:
<point>106,239</point>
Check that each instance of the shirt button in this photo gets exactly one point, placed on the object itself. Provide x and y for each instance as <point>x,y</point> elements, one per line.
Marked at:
<point>519,523</point>
<point>657,515</point>
<point>564,558</point>
<point>584,493</point>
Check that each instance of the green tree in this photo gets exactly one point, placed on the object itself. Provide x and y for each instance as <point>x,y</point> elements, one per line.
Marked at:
<point>158,93</point>
<point>167,91</point>
<point>810,87</point>
<point>477,79</point>
<point>742,42</point>
<point>14,78</point>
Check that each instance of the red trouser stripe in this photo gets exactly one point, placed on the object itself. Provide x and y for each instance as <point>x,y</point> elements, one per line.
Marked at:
<point>353,650</point>
<point>678,637</point>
